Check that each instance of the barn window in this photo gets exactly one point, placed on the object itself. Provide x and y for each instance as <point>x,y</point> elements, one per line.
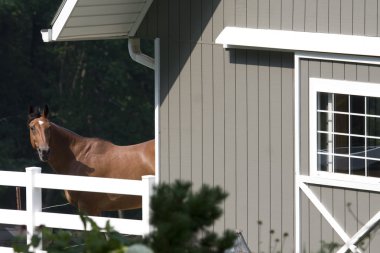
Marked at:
<point>344,128</point>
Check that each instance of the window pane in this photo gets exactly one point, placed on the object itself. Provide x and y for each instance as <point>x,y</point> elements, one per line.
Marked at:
<point>323,142</point>
<point>373,105</point>
<point>373,168</point>
<point>323,100</point>
<point>341,123</point>
<point>357,104</point>
<point>373,126</point>
<point>323,121</point>
<point>357,166</point>
<point>357,146</point>
<point>323,162</point>
<point>341,102</point>
<point>341,164</point>
<point>357,125</point>
<point>373,148</point>
<point>341,144</point>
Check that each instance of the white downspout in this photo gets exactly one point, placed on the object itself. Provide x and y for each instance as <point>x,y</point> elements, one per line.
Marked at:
<point>138,56</point>
<point>157,102</point>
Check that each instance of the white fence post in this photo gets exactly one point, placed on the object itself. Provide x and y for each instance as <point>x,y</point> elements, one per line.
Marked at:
<point>148,182</point>
<point>33,201</point>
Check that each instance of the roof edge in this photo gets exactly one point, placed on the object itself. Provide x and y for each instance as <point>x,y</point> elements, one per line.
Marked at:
<point>59,21</point>
<point>140,18</point>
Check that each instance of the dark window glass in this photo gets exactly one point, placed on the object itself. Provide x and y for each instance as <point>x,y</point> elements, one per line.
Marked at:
<point>373,126</point>
<point>322,121</point>
<point>323,162</point>
<point>341,164</point>
<point>340,123</point>
<point>357,125</point>
<point>341,145</point>
<point>323,100</point>
<point>373,148</point>
<point>357,166</point>
<point>373,168</point>
<point>357,146</point>
<point>323,143</point>
<point>340,102</point>
<point>357,104</point>
<point>373,106</point>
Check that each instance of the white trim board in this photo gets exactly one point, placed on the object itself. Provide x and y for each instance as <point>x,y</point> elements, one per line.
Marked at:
<point>299,41</point>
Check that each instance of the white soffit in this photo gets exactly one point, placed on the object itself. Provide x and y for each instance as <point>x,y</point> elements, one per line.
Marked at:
<point>237,37</point>
<point>96,19</point>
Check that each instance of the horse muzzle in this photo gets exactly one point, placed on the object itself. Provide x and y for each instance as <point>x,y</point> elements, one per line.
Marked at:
<point>43,154</point>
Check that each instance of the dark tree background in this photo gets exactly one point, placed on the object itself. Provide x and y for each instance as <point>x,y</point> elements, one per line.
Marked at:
<point>92,87</point>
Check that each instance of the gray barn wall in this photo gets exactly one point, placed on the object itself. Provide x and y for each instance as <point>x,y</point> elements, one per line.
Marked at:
<point>227,115</point>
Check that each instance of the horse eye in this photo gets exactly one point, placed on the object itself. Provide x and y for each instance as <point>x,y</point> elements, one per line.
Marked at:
<point>32,128</point>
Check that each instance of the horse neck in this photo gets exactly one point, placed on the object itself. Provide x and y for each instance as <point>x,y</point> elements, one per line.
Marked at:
<point>62,151</point>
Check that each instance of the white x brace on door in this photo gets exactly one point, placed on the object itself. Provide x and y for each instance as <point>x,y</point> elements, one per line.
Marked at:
<point>302,182</point>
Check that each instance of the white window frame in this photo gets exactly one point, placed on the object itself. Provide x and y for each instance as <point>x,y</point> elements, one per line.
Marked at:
<point>341,87</point>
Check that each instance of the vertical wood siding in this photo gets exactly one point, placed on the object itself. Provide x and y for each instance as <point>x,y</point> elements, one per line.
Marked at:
<point>232,126</point>
<point>208,18</point>
<point>227,115</point>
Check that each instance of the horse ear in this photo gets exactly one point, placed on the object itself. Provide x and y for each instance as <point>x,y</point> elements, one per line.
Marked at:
<point>31,109</point>
<point>45,111</point>
<point>32,113</point>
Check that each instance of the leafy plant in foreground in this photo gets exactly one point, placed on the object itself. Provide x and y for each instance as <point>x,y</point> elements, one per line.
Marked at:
<point>183,219</point>
<point>94,240</point>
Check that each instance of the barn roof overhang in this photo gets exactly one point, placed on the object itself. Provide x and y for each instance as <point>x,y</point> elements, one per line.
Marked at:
<point>236,37</point>
<point>96,19</point>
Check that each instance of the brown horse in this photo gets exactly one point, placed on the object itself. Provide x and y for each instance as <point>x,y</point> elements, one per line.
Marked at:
<point>70,154</point>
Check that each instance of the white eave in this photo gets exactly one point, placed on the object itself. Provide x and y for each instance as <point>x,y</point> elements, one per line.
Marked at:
<point>96,19</point>
<point>237,37</point>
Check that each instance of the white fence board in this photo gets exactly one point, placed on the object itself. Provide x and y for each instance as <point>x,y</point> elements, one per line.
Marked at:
<point>34,181</point>
<point>11,178</point>
<point>10,250</point>
<point>12,217</point>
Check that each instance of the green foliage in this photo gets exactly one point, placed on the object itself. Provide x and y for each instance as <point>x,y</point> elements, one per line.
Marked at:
<point>329,247</point>
<point>93,240</point>
<point>182,219</point>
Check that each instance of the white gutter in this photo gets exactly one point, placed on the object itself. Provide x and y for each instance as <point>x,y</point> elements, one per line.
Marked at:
<point>46,35</point>
<point>137,55</point>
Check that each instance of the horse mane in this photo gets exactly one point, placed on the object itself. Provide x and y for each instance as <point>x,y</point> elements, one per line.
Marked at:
<point>70,132</point>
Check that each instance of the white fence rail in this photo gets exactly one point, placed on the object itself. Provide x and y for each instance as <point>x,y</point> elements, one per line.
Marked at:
<point>33,217</point>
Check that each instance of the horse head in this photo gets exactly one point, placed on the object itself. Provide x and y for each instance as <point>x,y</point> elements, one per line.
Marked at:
<point>39,131</point>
